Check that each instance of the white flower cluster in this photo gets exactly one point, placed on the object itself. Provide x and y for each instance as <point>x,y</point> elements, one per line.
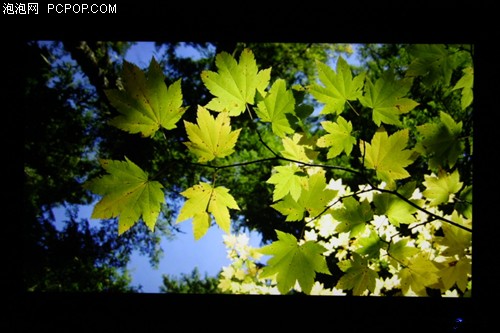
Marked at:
<point>242,276</point>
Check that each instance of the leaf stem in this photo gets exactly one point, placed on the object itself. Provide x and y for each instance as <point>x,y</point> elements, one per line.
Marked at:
<point>352,108</point>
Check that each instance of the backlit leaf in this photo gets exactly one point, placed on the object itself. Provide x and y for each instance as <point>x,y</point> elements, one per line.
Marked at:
<point>287,179</point>
<point>146,103</point>
<point>387,155</point>
<point>127,194</point>
<point>420,273</point>
<point>211,137</point>
<point>291,262</point>
<point>440,142</point>
<point>466,83</point>
<point>386,98</point>
<point>358,277</point>
<point>338,87</point>
<point>202,200</point>
<point>235,83</point>
<point>274,108</point>
<point>353,216</point>
<point>439,188</point>
<point>339,138</point>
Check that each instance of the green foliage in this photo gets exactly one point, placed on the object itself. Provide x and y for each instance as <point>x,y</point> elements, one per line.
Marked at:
<point>386,99</point>
<point>466,83</point>
<point>339,138</point>
<point>339,88</point>
<point>146,104</point>
<point>293,262</point>
<point>440,188</point>
<point>189,284</point>
<point>203,200</point>
<point>287,179</point>
<point>358,276</point>
<point>441,141</point>
<point>127,193</point>
<point>211,137</point>
<point>235,83</point>
<point>275,107</point>
<point>387,155</point>
<point>406,235</point>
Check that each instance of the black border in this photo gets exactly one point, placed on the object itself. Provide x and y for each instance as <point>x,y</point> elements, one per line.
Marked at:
<point>143,22</point>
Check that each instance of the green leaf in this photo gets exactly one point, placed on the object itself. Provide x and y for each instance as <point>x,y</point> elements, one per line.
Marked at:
<point>235,83</point>
<point>440,142</point>
<point>464,204</point>
<point>204,199</point>
<point>339,87</point>
<point>456,272</point>
<point>275,107</point>
<point>291,262</point>
<point>314,198</point>
<point>146,103</point>
<point>290,208</point>
<point>398,211</point>
<point>212,137</point>
<point>466,83</point>
<point>127,193</point>
<point>287,179</point>
<point>315,195</point>
<point>370,245</point>
<point>339,139</point>
<point>386,98</point>
<point>353,216</point>
<point>420,273</point>
<point>456,240</point>
<point>358,277</point>
<point>297,148</point>
<point>440,188</point>
<point>401,251</point>
<point>387,155</point>
<point>433,62</point>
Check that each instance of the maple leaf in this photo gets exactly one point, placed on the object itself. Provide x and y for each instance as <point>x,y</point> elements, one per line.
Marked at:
<point>275,106</point>
<point>314,198</point>
<point>456,240</point>
<point>386,99</point>
<point>433,62</point>
<point>369,245</point>
<point>387,154</point>
<point>202,200</point>
<point>339,139</point>
<point>291,262</point>
<point>287,179</point>
<point>235,83</point>
<point>338,87</point>
<point>401,251</point>
<point>358,276</point>
<point>212,137</point>
<point>146,103</point>
<point>441,141</point>
<point>290,208</point>
<point>353,216</point>
<point>456,271</point>
<point>298,148</point>
<point>440,188</point>
<point>127,194</point>
<point>420,273</point>
<point>466,83</point>
<point>397,210</point>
